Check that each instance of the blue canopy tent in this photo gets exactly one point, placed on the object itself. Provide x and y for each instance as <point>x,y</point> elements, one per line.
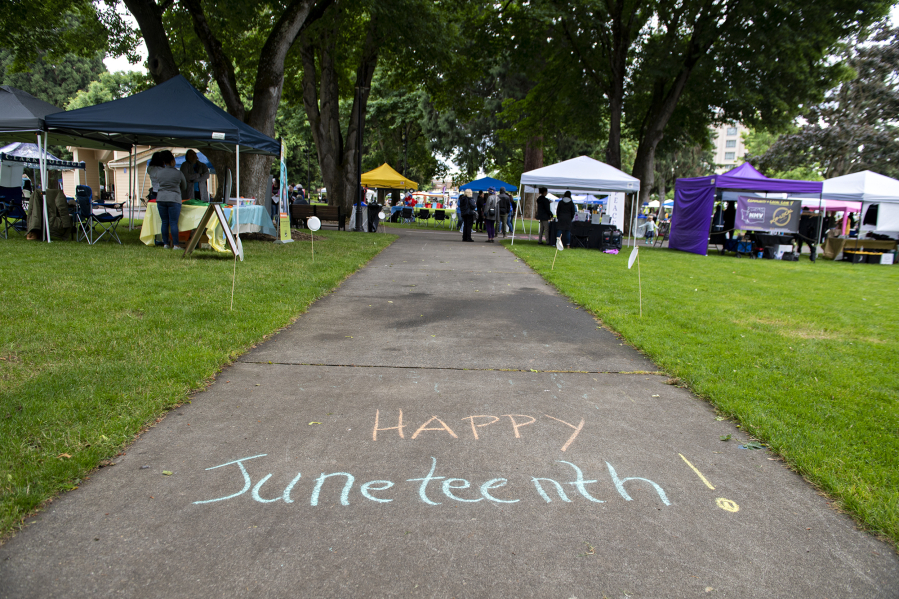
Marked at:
<point>486,183</point>
<point>171,113</point>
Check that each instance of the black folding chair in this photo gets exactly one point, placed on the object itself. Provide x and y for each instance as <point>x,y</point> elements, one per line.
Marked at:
<point>440,217</point>
<point>12,212</point>
<point>408,215</point>
<point>424,215</point>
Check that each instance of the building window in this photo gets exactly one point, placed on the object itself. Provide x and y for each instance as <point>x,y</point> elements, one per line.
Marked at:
<point>729,155</point>
<point>731,130</point>
<point>731,143</point>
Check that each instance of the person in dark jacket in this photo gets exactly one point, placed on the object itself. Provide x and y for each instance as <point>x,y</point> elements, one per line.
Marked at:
<point>467,207</point>
<point>544,215</point>
<point>504,205</point>
<point>491,213</point>
<point>564,215</point>
<point>482,199</point>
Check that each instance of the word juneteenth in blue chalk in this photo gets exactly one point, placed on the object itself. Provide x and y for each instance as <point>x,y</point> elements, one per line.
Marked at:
<point>433,489</point>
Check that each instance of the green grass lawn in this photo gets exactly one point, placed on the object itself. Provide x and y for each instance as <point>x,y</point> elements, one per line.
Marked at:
<point>98,341</point>
<point>805,356</point>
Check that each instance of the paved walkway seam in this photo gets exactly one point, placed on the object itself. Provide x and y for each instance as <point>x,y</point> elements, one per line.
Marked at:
<point>273,363</point>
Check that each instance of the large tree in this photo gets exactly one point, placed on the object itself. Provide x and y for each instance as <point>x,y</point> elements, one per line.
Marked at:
<point>338,58</point>
<point>245,45</point>
<point>855,128</point>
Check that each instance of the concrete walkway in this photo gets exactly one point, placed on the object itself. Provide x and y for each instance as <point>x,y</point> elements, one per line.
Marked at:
<point>444,425</point>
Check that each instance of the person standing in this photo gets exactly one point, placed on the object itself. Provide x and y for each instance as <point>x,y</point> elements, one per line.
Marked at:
<point>153,167</point>
<point>505,207</point>
<point>491,213</point>
<point>196,174</point>
<point>544,215</point>
<point>565,212</point>
<point>482,199</point>
<point>172,188</point>
<point>650,229</point>
<point>467,207</point>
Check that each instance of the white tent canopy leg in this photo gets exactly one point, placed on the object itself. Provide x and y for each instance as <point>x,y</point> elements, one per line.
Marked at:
<point>44,175</point>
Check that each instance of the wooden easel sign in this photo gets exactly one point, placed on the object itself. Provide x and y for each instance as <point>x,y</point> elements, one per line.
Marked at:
<point>214,209</point>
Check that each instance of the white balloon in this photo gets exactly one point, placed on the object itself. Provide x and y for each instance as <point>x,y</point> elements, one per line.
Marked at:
<point>313,223</point>
<point>381,215</point>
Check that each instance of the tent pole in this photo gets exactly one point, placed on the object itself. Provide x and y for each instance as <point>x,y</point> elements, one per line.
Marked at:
<point>533,214</point>
<point>820,217</point>
<point>130,185</point>
<point>44,176</point>
<point>143,184</point>
<point>633,222</point>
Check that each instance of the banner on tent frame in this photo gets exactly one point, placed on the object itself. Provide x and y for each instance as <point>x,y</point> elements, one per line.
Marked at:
<point>284,224</point>
<point>615,209</point>
<point>767,214</point>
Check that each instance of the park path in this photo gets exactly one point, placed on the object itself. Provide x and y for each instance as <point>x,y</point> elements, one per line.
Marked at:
<point>445,424</point>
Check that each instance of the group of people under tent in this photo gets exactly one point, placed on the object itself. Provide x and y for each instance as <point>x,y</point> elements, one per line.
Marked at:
<point>724,221</point>
<point>171,186</point>
<point>494,213</point>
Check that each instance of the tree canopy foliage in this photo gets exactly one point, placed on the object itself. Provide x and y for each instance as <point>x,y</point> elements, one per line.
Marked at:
<point>56,82</point>
<point>856,127</point>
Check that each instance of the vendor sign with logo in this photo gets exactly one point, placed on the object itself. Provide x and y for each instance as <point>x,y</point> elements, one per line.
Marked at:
<point>767,214</point>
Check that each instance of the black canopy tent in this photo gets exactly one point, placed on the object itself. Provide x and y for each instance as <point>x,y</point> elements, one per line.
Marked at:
<point>171,112</point>
<point>23,119</point>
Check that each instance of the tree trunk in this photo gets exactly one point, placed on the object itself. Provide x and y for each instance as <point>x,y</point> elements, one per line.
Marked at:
<point>255,170</point>
<point>321,99</point>
<point>533,159</point>
<point>148,14</point>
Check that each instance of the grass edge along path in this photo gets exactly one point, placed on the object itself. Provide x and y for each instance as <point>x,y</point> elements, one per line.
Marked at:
<point>801,355</point>
<point>103,340</point>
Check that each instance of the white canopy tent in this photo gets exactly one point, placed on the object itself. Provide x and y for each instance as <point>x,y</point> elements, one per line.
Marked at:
<point>868,188</point>
<point>583,174</point>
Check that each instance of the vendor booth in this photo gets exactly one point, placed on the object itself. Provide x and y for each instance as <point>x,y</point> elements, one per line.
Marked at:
<point>173,113</point>
<point>587,176</point>
<point>23,119</point>
<point>878,197</point>
<point>14,205</point>
<point>694,201</point>
<point>485,183</point>
<point>384,177</point>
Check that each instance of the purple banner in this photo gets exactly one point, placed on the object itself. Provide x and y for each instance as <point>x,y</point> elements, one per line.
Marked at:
<point>767,214</point>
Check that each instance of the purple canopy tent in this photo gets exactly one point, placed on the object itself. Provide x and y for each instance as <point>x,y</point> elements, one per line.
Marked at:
<point>694,201</point>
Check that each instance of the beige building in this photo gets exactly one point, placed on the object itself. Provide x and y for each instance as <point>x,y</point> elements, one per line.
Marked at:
<point>729,148</point>
<point>115,165</point>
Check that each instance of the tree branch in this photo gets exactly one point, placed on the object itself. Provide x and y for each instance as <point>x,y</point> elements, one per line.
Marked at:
<point>222,67</point>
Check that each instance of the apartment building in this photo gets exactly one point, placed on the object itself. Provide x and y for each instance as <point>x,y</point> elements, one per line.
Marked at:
<point>729,149</point>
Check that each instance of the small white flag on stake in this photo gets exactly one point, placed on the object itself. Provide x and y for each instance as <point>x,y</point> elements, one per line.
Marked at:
<point>559,248</point>
<point>635,257</point>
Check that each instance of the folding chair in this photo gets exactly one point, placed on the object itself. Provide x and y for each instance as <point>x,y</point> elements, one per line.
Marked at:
<point>82,227</point>
<point>662,235</point>
<point>408,215</point>
<point>424,215</point>
<point>440,217</point>
<point>12,212</point>
<point>107,222</point>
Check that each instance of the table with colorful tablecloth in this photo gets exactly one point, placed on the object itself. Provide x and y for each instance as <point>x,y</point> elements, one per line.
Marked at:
<point>253,219</point>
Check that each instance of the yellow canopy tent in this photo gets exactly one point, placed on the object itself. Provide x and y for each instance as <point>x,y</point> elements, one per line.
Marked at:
<point>386,178</point>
